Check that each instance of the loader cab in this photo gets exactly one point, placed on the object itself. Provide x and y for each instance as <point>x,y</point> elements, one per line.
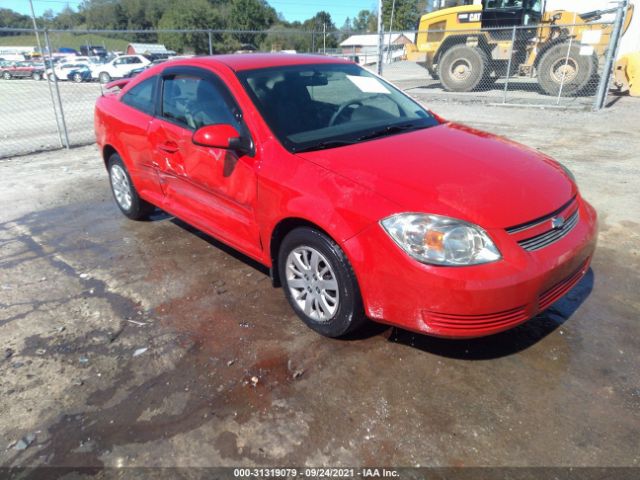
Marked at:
<point>509,13</point>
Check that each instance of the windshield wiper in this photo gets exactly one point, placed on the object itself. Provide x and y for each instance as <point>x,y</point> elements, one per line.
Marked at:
<point>381,132</point>
<point>325,145</point>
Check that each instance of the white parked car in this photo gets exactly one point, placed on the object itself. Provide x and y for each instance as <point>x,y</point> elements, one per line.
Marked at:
<point>118,67</point>
<point>62,69</point>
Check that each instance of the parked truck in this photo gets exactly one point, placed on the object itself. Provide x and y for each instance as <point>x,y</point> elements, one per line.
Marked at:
<point>468,46</point>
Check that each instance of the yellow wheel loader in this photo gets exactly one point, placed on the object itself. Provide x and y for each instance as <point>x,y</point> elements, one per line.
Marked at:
<point>467,47</point>
<point>627,74</point>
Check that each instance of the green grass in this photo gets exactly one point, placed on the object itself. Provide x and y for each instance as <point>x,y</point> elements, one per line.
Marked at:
<point>66,39</point>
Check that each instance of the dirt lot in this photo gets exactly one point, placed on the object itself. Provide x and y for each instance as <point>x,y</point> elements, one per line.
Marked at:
<point>137,344</point>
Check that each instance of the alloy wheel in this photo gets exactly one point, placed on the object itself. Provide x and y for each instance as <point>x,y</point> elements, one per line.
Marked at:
<point>312,283</point>
<point>121,187</point>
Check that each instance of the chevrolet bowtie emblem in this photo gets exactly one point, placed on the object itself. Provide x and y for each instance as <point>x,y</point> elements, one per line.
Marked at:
<point>557,223</point>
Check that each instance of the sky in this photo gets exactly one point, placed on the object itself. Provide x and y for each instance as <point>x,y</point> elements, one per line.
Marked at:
<point>291,9</point>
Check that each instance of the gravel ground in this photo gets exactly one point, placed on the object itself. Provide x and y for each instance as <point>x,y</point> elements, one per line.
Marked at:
<point>150,344</point>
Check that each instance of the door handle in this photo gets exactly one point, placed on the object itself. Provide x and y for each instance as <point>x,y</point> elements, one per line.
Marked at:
<point>169,147</point>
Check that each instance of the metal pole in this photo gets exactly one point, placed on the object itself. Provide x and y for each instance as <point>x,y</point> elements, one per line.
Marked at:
<point>210,43</point>
<point>506,83</point>
<point>53,102</point>
<point>393,7</point>
<point>35,27</point>
<point>566,61</point>
<point>603,87</point>
<point>324,38</point>
<point>380,37</point>
<point>57,89</point>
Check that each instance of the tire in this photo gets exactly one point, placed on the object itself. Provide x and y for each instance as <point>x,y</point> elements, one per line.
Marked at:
<point>463,69</point>
<point>6,76</point>
<point>332,312</point>
<point>104,77</point>
<point>579,72</point>
<point>37,77</point>
<point>124,192</point>
<point>77,78</point>
<point>433,73</point>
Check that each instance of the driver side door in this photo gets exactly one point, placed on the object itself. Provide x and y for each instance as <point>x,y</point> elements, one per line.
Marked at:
<point>212,188</point>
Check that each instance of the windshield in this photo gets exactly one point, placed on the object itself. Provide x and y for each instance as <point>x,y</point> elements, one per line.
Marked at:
<point>311,107</point>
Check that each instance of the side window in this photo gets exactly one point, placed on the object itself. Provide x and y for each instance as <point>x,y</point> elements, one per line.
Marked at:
<point>135,60</point>
<point>141,96</point>
<point>195,102</point>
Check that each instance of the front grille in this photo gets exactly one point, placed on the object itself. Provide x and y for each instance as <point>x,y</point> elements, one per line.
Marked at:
<point>550,236</point>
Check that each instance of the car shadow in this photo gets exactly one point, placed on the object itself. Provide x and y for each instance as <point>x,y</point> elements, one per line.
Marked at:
<point>506,343</point>
<point>160,215</point>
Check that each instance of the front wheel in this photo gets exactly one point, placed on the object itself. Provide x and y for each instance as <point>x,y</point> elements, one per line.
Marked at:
<point>125,193</point>
<point>562,70</point>
<point>37,76</point>
<point>104,77</point>
<point>77,78</point>
<point>319,283</point>
<point>6,76</point>
<point>463,69</point>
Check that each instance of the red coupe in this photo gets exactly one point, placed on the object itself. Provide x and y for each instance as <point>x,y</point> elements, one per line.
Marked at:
<point>363,203</point>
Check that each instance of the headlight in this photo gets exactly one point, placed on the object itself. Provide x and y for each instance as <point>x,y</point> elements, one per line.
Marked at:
<point>440,240</point>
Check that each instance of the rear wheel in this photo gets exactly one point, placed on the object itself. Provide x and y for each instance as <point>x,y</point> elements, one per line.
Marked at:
<point>124,192</point>
<point>77,78</point>
<point>319,283</point>
<point>564,67</point>
<point>463,68</point>
<point>37,76</point>
<point>104,77</point>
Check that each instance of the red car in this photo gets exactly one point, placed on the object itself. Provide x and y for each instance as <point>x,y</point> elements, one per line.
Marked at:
<point>363,203</point>
<point>22,70</point>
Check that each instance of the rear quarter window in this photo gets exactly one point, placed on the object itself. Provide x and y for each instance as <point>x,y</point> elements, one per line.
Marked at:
<point>141,97</point>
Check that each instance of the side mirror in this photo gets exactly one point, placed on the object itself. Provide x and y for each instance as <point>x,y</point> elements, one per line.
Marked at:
<point>221,136</point>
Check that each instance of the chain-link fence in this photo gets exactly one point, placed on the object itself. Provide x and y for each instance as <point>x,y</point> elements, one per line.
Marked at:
<point>47,100</point>
<point>531,65</point>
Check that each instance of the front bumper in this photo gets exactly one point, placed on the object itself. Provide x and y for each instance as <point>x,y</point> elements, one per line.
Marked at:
<point>474,301</point>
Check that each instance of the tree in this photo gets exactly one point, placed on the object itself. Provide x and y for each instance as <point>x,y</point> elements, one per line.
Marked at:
<point>104,14</point>
<point>283,37</point>
<point>366,21</point>
<point>11,19</point>
<point>406,14</point>
<point>190,14</point>
<point>319,24</point>
<point>66,19</point>
<point>251,15</point>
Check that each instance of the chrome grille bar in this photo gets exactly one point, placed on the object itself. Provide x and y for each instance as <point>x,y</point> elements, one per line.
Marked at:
<point>547,238</point>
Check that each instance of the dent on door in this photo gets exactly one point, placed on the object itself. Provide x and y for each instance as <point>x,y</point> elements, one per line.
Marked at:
<point>210,187</point>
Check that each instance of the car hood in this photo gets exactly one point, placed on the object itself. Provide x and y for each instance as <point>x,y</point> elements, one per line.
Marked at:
<point>456,171</point>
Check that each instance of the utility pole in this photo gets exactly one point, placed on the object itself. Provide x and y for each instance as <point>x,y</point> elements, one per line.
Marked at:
<point>380,37</point>
<point>35,28</point>
<point>324,38</point>
<point>393,7</point>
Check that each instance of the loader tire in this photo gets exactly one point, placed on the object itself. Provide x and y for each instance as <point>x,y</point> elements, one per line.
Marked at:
<point>463,69</point>
<point>574,72</point>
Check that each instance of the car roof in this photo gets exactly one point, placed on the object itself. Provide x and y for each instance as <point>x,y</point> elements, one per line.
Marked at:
<point>251,61</point>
